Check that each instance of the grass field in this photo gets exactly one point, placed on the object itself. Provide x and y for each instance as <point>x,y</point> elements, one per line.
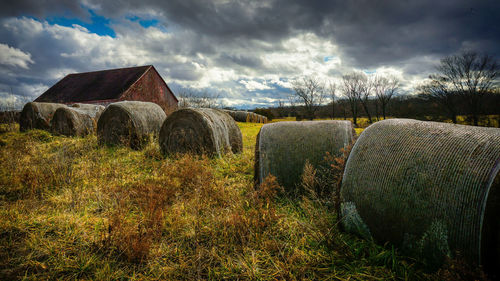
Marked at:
<point>71,209</point>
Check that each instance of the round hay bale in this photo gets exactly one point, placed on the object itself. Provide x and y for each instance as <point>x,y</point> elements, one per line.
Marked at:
<point>200,131</point>
<point>283,148</point>
<point>264,119</point>
<point>256,117</point>
<point>130,123</point>
<point>240,116</point>
<point>427,187</point>
<point>231,113</point>
<point>37,115</point>
<point>251,117</point>
<point>79,120</point>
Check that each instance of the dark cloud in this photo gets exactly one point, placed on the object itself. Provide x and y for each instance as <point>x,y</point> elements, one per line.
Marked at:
<point>185,72</point>
<point>239,60</point>
<point>370,33</point>
<point>42,9</point>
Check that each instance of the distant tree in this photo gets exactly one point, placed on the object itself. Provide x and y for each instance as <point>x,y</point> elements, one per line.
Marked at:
<point>365,87</point>
<point>352,88</point>
<point>343,106</point>
<point>385,88</point>
<point>309,92</point>
<point>438,90</point>
<point>332,89</point>
<point>469,75</point>
<point>198,99</point>
<point>281,108</point>
<point>265,112</point>
<point>292,100</point>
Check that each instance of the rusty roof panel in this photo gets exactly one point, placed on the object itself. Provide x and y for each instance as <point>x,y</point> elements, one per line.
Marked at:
<point>97,85</point>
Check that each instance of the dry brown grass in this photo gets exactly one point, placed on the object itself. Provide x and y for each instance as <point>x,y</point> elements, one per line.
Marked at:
<point>71,209</point>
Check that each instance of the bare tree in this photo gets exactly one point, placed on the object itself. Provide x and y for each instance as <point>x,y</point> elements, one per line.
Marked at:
<point>353,84</point>
<point>198,99</point>
<point>281,108</point>
<point>332,88</point>
<point>365,87</point>
<point>470,75</point>
<point>292,101</point>
<point>438,90</point>
<point>385,88</point>
<point>311,93</point>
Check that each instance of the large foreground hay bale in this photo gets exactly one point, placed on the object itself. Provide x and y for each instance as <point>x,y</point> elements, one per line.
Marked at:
<point>283,148</point>
<point>130,123</point>
<point>200,131</point>
<point>37,115</point>
<point>76,120</point>
<point>427,187</point>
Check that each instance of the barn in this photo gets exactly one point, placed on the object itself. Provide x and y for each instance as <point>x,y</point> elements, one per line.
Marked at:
<point>141,83</point>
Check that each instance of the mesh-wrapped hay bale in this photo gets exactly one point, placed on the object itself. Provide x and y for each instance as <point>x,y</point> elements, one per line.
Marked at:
<point>256,118</point>
<point>265,119</point>
<point>228,111</point>
<point>37,115</point>
<point>130,123</point>
<point>424,186</point>
<point>240,116</point>
<point>231,113</point>
<point>253,117</point>
<point>282,148</point>
<point>249,117</point>
<point>76,120</point>
<point>200,131</point>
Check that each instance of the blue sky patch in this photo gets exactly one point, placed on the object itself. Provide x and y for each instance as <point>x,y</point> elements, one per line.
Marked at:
<point>328,58</point>
<point>98,24</point>
<point>144,22</point>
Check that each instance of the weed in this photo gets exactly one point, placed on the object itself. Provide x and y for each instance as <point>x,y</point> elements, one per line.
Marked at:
<point>136,220</point>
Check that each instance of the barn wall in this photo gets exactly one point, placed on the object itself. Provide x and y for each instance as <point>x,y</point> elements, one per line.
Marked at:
<point>151,87</point>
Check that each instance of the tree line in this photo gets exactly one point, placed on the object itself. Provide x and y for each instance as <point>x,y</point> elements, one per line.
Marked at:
<point>464,84</point>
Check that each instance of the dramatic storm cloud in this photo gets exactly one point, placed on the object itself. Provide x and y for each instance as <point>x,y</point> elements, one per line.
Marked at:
<point>248,52</point>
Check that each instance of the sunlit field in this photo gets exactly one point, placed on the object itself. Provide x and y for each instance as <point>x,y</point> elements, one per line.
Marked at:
<point>485,121</point>
<point>71,209</point>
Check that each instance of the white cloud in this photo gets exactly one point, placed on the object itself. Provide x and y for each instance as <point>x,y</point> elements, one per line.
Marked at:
<point>9,101</point>
<point>182,57</point>
<point>254,85</point>
<point>14,57</point>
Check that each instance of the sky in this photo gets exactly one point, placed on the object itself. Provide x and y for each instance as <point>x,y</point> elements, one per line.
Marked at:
<point>247,52</point>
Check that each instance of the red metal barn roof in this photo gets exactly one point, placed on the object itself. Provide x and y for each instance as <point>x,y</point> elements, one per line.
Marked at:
<point>92,86</point>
